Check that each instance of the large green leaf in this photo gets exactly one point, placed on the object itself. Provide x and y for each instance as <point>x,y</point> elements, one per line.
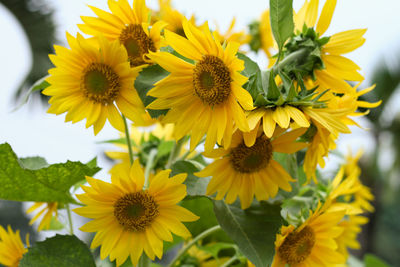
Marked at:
<point>203,207</point>
<point>253,230</point>
<point>281,15</point>
<point>32,180</point>
<point>373,261</point>
<point>195,186</point>
<point>145,81</point>
<point>60,251</point>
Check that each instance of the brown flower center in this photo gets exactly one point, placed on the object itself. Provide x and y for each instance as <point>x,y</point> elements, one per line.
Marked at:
<point>251,159</point>
<point>297,246</point>
<point>136,211</point>
<point>212,80</point>
<point>100,83</point>
<point>137,44</point>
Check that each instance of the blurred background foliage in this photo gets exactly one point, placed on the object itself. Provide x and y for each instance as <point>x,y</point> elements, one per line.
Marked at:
<point>381,236</point>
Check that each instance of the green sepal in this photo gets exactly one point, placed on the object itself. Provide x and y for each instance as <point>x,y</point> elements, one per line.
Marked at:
<point>273,92</point>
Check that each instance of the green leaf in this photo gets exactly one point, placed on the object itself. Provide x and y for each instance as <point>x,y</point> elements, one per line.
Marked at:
<point>252,71</point>
<point>214,248</point>
<point>48,184</point>
<point>145,81</point>
<point>253,229</point>
<point>55,225</point>
<point>60,251</point>
<point>119,141</point>
<point>281,15</point>
<point>373,261</point>
<point>195,186</point>
<point>203,207</point>
<point>164,148</point>
<point>37,86</point>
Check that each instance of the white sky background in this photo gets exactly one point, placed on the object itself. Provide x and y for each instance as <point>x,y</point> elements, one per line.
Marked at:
<point>31,131</point>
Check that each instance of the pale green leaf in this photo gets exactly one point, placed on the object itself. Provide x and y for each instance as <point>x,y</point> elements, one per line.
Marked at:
<point>281,16</point>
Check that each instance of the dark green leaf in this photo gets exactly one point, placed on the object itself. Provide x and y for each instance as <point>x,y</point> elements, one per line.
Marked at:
<point>373,261</point>
<point>253,229</point>
<point>281,15</point>
<point>145,81</point>
<point>49,184</point>
<point>60,251</point>
<point>195,186</point>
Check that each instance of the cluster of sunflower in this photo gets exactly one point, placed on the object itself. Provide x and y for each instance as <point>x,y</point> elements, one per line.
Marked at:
<point>195,86</point>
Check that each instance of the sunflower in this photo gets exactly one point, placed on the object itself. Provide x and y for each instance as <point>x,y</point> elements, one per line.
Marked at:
<point>338,69</point>
<point>245,171</point>
<point>204,96</point>
<point>49,209</point>
<point>91,80</point>
<point>129,26</point>
<point>312,243</point>
<point>231,36</point>
<point>172,17</point>
<point>348,238</point>
<point>11,247</point>
<point>347,184</point>
<point>321,143</point>
<point>129,219</point>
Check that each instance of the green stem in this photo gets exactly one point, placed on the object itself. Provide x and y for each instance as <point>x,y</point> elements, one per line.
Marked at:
<point>289,59</point>
<point>144,261</point>
<point>128,139</point>
<point>175,152</point>
<point>71,227</point>
<point>149,166</point>
<point>194,241</point>
<point>230,261</point>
